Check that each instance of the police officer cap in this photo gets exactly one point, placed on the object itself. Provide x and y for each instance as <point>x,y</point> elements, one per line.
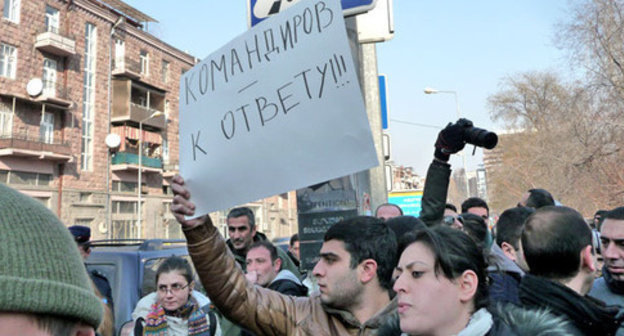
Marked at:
<point>81,233</point>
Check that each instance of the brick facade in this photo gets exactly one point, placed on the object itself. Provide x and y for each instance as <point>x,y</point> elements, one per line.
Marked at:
<point>50,170</point>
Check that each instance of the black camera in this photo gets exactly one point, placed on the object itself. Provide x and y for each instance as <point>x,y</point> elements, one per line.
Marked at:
<point>477,136</point>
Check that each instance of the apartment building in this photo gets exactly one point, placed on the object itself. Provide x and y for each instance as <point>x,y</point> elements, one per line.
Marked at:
<point>87,96</point>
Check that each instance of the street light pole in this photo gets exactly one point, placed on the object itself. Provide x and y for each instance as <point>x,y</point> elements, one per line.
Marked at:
<point>139,194</point>
<point>463,155</point>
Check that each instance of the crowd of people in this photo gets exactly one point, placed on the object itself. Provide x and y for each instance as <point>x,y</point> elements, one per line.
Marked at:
<point>535,271</point>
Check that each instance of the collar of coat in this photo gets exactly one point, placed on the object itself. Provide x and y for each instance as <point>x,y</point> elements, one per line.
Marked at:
<point>374,322</point>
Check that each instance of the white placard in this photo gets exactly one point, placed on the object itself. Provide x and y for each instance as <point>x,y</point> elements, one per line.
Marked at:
<point>276,109</point>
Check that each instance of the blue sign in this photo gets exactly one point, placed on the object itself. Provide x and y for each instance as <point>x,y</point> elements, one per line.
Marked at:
<point>259,10</point>
<point>409,202</point>
<point>383,96</point>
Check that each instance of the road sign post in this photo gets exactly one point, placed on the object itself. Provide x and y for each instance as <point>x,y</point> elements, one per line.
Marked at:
<point>258,10</point>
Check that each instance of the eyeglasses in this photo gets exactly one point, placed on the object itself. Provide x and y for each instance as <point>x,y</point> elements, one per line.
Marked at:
<point>449,220</point>
<point>174,289</point>
<point>239,229</point>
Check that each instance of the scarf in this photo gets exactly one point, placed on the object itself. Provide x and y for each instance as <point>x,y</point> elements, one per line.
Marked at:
<point>480,323</point>
<point>156,320</point>
<point>588,315</point>
<point>615,286</point>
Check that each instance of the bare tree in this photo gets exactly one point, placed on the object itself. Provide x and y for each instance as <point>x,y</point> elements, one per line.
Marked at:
<point>563,139</point>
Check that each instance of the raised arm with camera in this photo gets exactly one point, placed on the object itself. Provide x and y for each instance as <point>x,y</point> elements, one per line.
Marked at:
<point>452,139</point>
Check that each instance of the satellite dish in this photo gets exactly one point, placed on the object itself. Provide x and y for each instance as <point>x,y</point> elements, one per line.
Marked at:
<point>113,141</point>
<point>34,87</point>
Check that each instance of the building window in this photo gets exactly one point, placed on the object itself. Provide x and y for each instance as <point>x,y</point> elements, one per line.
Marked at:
<point>165,71</point>
<point>6,121</point>
<point>8,60</point>
<point>44,200</point>
<point>46,130</point>
<point>166,190</point>
<point>25,178</point>
<point>52,19</point>
<point>167,112</point>
<point>11,10</point>
<point>144,63</point>
<point>121,186</point>
<point>124,207</point>
<point>85,197</point>
<point>49,77</point>
<point>120,54</point>
<point>88,108</point>
<point>124,229</point>
<point>165,150</point>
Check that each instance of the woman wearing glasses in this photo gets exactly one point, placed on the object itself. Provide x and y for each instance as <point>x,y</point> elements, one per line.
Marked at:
<point>175,309</point>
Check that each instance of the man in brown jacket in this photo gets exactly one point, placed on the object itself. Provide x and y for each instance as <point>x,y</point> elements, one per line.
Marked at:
<point>354,275</point>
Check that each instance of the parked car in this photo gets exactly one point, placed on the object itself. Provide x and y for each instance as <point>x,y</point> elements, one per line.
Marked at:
<point>282,242</point>
<point>130,266</point>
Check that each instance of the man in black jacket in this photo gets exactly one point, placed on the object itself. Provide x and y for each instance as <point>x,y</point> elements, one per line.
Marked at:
<point>557,246</point>
<point>263,269</point>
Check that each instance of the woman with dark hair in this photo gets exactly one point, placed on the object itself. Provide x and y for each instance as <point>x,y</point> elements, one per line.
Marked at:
<point>175,309</point>
<point>442,290</point>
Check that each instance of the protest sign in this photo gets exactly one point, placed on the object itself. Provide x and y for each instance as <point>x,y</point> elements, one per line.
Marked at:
<point>276,109</point>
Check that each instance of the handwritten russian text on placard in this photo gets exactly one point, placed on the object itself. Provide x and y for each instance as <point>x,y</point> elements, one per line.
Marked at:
<point>276,109</point>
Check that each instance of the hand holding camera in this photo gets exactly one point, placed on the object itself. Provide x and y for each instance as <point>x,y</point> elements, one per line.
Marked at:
<point>454,137</point>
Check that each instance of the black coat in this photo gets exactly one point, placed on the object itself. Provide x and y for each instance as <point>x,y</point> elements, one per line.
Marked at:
<point>288,287</point>
<point>586,315</point>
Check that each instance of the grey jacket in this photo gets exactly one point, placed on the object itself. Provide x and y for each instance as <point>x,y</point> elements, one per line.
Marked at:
<point>601,292</point>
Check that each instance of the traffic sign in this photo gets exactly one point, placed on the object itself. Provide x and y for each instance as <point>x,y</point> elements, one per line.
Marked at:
<point>258,10</point>
<point>383,100</point>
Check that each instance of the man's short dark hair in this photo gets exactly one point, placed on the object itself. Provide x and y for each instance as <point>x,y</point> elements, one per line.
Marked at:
<point>403,224</point>
<point>267,245</point>
<point>510,224</point>
<point>617,214</point>
<point>450,207</point>
<point>474,202</point>
<point>539,198</point>
<point>390,205</point>
<point>243,211</point>
<point>600,216</point>
<point>552,241</point>
<point>293,239</point>
<point>368,238</point>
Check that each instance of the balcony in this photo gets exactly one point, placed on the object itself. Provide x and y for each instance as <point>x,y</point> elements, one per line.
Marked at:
<point>137,113</point>
<point>126,107</point>
<point>54,93</point>
<point>25,145</point>
<point>53,42</point>
<point>171,169</point>
<point>126,67</point>
<point>130,161</point>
